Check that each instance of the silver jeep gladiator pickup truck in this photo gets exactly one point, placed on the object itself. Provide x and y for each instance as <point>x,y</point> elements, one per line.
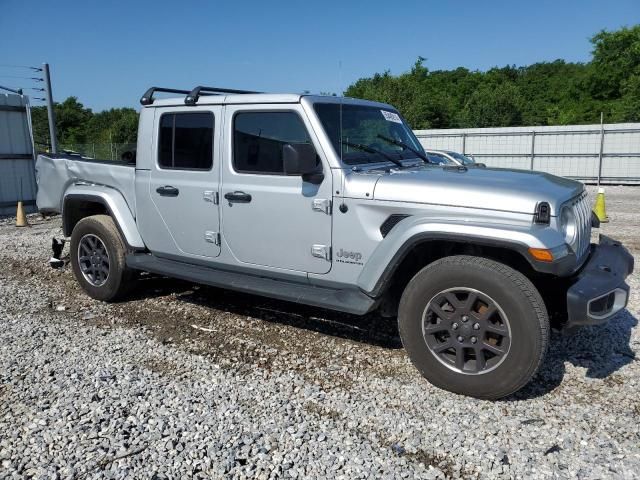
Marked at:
<point>332,202</point>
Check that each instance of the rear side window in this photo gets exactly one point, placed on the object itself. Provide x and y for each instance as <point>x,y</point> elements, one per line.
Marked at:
<point>186,141</point>
<point>258,138</point>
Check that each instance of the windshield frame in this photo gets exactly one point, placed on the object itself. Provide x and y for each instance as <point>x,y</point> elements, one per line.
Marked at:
<point>364,159</point>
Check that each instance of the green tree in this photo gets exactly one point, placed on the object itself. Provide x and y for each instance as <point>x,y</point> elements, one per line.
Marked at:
<point>117,125</point>
<point>615,71</point>
<point>544,93</point>
<point>71,121</point>
<point>616,60</point>
<point>628,109</point>
<point>76,124</point>
<point>40,125</point>
<point>497,105</point>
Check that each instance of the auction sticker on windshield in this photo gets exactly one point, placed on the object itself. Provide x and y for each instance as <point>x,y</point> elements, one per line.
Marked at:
<point>391,116</point>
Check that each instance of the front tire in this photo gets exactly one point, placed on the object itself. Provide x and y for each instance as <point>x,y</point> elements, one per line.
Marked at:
<point>98,258</point>
<point>474,326</point>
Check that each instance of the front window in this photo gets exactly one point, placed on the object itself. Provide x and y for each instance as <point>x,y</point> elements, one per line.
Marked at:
<point>259,138</point>
<point>364,134</point>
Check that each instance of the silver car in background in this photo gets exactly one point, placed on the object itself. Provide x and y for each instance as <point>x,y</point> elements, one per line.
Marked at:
<point>449,157</point>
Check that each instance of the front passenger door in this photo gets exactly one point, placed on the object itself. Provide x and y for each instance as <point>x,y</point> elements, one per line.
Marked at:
<point>270,218</point>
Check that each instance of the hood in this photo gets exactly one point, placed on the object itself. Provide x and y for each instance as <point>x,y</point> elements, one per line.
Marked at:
<point>487,188</point>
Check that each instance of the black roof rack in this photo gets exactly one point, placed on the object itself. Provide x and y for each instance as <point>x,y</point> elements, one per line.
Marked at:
<point>191,96</point>
<point>147,98</point>
<point>194,94</point>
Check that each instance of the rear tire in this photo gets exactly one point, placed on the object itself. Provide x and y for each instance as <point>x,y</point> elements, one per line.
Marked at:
<point>474,326</point>
<point>98,258</point>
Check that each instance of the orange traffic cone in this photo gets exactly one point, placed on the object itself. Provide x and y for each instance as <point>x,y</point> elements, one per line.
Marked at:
<point>21,218</point>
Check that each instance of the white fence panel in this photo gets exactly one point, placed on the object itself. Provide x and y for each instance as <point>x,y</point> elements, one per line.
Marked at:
<point>568,150</point>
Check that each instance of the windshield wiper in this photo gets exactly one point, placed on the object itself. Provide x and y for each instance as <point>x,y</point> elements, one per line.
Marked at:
<point>420,155</point>
<point>368,149</point>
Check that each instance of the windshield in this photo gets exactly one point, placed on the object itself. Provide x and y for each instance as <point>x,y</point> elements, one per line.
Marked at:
<point>438,159</point>
<point>461,158</point>
<point>357,133</point>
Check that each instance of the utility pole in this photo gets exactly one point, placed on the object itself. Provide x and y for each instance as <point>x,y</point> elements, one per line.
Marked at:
<point>50,110</point>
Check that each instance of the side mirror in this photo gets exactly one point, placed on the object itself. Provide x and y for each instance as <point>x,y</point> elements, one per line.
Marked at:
<point>301,159</point>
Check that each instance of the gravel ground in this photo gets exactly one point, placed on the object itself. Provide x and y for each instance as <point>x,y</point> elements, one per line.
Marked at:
<point>182,381</point>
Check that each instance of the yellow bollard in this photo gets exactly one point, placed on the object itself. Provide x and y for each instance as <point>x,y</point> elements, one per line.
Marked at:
<point>21,218</point>
<point>600,208</point>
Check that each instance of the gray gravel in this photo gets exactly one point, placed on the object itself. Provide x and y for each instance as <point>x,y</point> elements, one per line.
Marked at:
<point>182,381</point>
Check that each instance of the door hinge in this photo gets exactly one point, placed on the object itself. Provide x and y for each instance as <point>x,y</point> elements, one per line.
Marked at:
<point>321,251</point>
<point>321,205</point>
<point>212,237</point>
<point>211,196</point>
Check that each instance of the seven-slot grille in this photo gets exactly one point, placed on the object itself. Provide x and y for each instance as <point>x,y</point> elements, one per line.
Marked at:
<point>582,211</point>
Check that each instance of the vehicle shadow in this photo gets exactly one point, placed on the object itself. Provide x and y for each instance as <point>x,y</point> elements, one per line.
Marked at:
<point>371,329</point>
<point>602,349</point>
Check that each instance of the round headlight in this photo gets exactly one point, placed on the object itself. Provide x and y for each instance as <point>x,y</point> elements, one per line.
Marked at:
<point>568,224</point>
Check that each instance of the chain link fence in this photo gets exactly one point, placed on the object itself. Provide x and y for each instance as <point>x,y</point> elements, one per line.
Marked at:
<point>100,151</point>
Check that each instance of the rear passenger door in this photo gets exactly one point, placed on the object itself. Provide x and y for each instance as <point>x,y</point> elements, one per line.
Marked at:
<point>184,182</point>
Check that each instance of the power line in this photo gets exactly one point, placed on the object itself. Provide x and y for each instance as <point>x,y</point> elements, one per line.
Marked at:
<point>14,76</point>
<point>20,66</point>
<point>37,79</point>
<point>8,89</point>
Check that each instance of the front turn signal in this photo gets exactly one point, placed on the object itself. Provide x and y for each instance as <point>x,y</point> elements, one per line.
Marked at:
<point>541,254</point>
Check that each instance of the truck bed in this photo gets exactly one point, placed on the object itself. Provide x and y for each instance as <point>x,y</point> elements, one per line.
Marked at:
<point>55,173</point>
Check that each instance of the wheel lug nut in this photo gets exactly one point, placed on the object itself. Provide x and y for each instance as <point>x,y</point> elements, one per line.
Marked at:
<point>474,339</point>
<point>465,318</point>
<point>476,326</point>
<point>460,339</point>
<point>454,326</point>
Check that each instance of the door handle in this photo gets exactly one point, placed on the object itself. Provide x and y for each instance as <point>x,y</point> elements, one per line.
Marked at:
<point>239,197</point>
<point>168,191</point>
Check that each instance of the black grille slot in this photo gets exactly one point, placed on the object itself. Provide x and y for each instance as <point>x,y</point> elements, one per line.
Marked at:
<point>391,222</point>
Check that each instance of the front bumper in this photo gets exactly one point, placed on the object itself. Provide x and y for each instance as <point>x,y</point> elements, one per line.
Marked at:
<point>599,290</point>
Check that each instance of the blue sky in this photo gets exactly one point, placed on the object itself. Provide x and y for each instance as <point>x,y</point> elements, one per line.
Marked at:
<point>108,52</point>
